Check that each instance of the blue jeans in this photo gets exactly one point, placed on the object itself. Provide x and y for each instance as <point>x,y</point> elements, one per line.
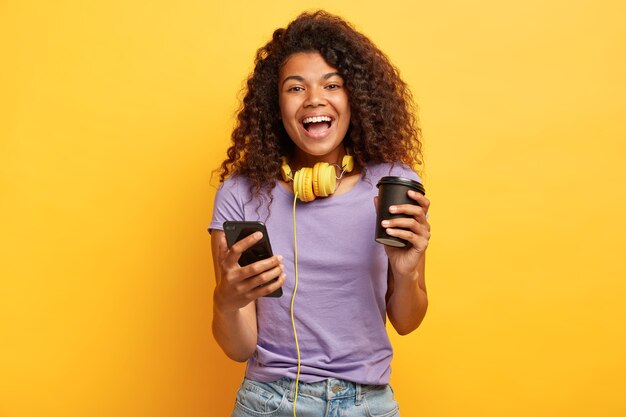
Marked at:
<point>328,398</point>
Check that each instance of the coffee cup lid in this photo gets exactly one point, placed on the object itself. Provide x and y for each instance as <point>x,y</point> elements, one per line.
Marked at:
<point>402,181</point>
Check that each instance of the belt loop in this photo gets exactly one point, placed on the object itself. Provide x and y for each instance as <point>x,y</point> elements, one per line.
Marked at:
<point>359,395</point>
<point>292,390</point>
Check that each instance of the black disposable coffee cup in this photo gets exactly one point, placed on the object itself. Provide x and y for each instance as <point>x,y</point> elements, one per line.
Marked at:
<point>393,191</point>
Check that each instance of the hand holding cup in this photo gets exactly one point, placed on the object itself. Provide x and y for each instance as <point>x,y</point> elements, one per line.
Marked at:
<point>393,191</point>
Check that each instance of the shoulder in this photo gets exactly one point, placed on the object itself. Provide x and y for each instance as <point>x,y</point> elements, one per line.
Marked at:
<point>236,185</point>
<point>233,192</point>
<point>230,201</point>
<point>377,171</point>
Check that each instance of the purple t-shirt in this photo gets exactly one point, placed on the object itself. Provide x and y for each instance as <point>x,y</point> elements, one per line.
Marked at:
<point>340,309</point>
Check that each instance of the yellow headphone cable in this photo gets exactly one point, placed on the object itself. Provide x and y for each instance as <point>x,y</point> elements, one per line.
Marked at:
<point>293,299</point>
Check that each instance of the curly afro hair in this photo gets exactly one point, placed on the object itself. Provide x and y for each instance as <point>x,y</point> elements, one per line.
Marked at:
<point>383,126</point>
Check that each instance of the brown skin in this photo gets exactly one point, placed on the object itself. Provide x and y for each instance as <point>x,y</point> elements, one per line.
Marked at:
<point>234,310</point>
<point>407,300</point>
<point>308,86</point>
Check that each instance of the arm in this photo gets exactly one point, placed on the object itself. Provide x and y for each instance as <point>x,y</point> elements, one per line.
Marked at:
<point>407,300</point>
<point>234,310</point>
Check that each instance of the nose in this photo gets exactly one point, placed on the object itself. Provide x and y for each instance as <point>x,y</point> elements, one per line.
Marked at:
<point>315,98</point>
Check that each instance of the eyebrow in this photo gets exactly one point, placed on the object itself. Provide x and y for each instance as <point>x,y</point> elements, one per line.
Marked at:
<point>301,79</point>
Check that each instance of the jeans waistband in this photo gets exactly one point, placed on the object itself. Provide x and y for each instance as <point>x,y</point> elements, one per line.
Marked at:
<point>327,389</point>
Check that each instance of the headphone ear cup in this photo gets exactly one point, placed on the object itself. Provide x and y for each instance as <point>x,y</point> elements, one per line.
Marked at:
<point>331,180</point>
<point>285,170</point>
<point>307,184</point>
<point>303,184</point>
<point>325,179</point>
<point>347,163</point>
<point>316,179</point>
<point>297,179</point>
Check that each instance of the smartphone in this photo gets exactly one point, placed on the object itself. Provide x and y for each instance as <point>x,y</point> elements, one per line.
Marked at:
<point>237,230</point>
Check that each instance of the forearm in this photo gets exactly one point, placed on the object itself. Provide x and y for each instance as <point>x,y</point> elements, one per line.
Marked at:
<point>407,302</point>
<point>236,331</point>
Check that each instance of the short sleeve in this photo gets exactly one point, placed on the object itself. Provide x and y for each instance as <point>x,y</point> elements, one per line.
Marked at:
<point>397,170</point>
<point>228,204</point>
<point>401,170</point>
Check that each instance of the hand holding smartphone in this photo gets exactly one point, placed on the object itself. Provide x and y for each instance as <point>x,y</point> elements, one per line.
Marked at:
<point>237,230</point>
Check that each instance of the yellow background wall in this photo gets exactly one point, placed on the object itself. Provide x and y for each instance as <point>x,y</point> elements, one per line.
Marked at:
<point>113,114</point>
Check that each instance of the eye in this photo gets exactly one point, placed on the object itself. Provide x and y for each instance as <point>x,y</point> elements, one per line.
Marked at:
<point>295,88</point>
<point>333,86</point>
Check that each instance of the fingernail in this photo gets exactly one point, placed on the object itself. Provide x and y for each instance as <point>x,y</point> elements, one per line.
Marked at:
<point>258,235</point>
<point>385,223</point>
<point>393,209</point>
<point>280,257</point>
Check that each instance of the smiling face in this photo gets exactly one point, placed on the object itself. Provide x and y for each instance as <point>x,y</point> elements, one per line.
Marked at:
<point>314,108</point>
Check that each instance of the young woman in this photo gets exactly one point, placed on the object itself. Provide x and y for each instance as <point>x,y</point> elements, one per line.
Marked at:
<point>323,105</point>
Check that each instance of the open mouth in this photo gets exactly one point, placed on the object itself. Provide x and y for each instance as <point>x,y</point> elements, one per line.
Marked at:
<point>317,124</point>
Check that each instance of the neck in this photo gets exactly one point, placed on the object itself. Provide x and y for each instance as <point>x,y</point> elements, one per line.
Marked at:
<point>301,159</point>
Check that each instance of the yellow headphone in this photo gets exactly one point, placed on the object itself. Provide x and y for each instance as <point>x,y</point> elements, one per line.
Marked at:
<point>319,181</point>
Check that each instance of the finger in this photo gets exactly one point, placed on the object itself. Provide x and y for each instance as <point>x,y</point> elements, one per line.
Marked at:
<point>261,266</point>
<point>421,200</point>
<point>254,287</point>
<point>264,278</point>
<point>408,209</point>
<point>238,248</point>
<point>265,290</point>
<point>238,276</point>
<point>418,241</point>
<point>376,202</point>
<point>407,223</point>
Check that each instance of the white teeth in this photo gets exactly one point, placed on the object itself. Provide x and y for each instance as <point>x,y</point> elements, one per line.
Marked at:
<point>317,119</point>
